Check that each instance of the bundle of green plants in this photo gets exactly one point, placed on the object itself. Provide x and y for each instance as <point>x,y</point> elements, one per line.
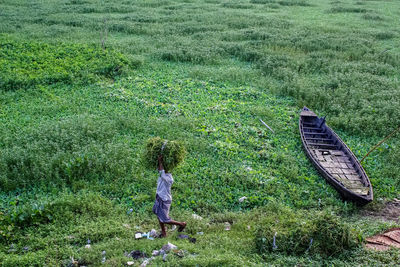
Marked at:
<point>296,233</point>
<point>172,152</point>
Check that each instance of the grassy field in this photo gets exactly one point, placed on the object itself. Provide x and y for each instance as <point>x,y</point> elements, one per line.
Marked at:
<point>84,84</point>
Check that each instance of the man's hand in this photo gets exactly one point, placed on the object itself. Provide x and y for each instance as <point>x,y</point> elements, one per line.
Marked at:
<point>160,163</point>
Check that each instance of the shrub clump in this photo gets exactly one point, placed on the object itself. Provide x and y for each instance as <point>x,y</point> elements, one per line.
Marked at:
<point>324,234</point>
<point>173,153</point>
<point>55,209</point>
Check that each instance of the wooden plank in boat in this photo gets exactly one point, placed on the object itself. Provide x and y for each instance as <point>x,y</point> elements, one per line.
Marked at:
<point>319,145</point>
<point>337,153</point>
<point>361,191</point>
<point>312,128</point>
<point>353,183</point>
<point>349,171</point>
<point>350,165</point>
<point>352,177</point>
<point>343,165</point>
<point>307,113</point>
<point>319,139</point>
<point>343,159</point>
<point>314,133</point>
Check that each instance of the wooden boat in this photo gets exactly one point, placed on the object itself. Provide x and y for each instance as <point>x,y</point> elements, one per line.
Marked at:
<point>333,159</point>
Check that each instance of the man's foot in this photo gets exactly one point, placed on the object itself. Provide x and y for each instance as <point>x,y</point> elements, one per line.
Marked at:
<point>182,227</point>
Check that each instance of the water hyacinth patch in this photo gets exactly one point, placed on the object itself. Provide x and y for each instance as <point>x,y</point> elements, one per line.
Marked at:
<point>26,65</point>
<point>71,145</point>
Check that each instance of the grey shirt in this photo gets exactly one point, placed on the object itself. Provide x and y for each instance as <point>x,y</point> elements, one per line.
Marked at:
<point>164,184</point>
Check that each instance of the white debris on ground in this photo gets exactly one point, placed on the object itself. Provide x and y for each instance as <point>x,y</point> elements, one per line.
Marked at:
<point>227,226</point>
<point>103,260</point>
<point>164,250</point>
<point>197,217</point>
<point>136,254</point>
<point>149,235</point>
<point>146,262</point>
<point>12,248</point>
<point>126,226</point>
<point>164,257</point>
<point>138,235</point>
<point>73,261</point>
<point>169,247</point>
<point>242,199</point>
<point>153,232</point>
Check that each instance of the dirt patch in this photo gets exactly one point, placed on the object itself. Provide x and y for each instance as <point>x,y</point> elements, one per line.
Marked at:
<point>390,211</point>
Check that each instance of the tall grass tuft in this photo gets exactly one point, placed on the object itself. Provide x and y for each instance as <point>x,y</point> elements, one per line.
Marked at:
<point>297,233</point>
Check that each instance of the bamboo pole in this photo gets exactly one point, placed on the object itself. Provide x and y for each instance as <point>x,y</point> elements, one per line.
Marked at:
<point>267,126</point>
<point>377,145</point>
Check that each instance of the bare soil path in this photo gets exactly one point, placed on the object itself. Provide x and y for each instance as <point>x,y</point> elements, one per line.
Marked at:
<point>389,212</point>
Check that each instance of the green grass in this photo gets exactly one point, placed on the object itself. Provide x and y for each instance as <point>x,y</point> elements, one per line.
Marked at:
<point>26,65</point>
<point>76,114</point>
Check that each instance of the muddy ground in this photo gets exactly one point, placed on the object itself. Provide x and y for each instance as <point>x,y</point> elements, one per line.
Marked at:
<point>389,211</point>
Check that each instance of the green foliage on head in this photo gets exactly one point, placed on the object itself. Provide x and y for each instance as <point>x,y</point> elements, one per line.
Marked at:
<point>173,153</point>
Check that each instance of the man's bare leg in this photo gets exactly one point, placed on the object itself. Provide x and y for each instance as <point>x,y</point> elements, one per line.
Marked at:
<point>181,225</point>
<point>163,232</point>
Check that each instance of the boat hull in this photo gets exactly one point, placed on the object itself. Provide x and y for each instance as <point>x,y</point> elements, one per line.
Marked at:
<point>333,159</point>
